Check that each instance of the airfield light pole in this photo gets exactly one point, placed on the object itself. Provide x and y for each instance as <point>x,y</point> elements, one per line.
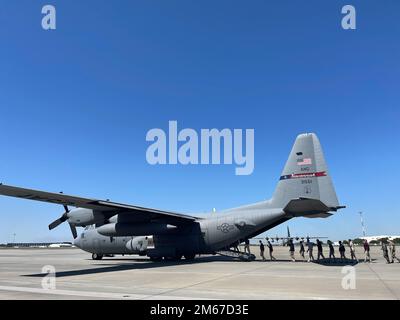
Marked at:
<point>362,224</point>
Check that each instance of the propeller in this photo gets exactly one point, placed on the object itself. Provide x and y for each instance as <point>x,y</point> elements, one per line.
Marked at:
<point>62,219</point>
<point>73,231</point>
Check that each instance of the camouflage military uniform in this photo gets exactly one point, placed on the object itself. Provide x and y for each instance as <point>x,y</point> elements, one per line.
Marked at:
<point>385,252</point>
<point>393,252</point>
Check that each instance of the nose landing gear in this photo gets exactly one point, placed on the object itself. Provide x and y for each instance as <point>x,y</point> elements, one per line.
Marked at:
<point>96,256</point>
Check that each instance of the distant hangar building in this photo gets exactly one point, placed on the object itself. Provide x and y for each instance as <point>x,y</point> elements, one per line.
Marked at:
<point>38,245</point>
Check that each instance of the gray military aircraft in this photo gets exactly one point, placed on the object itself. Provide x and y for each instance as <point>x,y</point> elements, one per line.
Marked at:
<point>304,189</point>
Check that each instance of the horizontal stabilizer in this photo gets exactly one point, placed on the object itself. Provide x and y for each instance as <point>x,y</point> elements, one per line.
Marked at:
<point>310,208</point>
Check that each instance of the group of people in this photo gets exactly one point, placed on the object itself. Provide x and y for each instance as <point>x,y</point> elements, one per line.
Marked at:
<point>392,249</point>
<point>320,253</point>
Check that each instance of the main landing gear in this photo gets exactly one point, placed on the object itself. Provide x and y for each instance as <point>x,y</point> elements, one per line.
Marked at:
<point>190,257</point>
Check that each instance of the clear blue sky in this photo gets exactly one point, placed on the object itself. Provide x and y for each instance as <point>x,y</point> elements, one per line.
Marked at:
<point>76,103</point>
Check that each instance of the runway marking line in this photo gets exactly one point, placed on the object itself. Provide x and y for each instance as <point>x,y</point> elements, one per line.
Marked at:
<point>72,292</point>
<point>383,282</point>
<point>103,295</point>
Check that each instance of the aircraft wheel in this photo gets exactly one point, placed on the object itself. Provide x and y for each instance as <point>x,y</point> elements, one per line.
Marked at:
<point>190,256</point>
<point>96,256</point>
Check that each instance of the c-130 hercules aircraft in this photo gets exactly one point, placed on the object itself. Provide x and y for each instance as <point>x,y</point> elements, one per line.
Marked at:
<point>305,189</point>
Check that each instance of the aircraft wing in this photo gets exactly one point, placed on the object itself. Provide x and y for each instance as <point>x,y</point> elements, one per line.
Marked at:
<point>107,208</point>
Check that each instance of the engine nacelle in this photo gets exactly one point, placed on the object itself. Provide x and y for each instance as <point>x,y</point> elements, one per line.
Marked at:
<point>83,217</point>
<point>134,229</point>
<point>138,244</point>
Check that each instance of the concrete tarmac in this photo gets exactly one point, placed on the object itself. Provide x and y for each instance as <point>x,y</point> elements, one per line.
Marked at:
<point>208,277</point>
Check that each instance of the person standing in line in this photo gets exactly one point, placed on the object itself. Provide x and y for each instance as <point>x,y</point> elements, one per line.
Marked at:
<point>291,250</point>
<point>310,247</point>
<point>392,247</point>
<point>247,246</point>
<point>342,251</point>
<point>271,249</point>
<point>262,249</point>
<point>331,251</point>
<point>236,246</point>
<point>385,250</point>
<point>366,251</point>
<point>320,250</point>
<point>302,250</point>
<point>352,250</point>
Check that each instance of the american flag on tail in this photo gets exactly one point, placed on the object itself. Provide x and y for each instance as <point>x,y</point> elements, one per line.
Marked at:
<point>304,162</point>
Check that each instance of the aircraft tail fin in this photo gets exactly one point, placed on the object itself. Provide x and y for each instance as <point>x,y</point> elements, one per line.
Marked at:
<point>305,187</point>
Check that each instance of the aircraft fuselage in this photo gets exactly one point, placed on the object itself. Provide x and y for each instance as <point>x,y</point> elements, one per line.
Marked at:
<point>205,236</point>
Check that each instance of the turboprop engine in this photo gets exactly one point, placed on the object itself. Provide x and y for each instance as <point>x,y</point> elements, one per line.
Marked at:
<point>77,218</point>
<point>120,229</point>
<point>138,244</point>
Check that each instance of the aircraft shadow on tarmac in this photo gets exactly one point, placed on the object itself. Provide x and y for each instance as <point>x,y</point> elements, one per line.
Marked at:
<point>339,262</point>
<point>144,264</point>
<point>141,264</point>
<point>324,262</point>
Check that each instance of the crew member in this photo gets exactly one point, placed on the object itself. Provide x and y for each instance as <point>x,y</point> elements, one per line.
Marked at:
<point>352,250</point>
<point>342,251</point>
<point>385,250</point>
<point>262,249</point>
<point>320,250</point>
<point>247,246</point>
<point>271,249</point>
<point>393,251</point>
<point>291,250</point>
<point>331,250</point>
<point>366,251</point>
<point>302,250</point>
<point>310,247</point>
